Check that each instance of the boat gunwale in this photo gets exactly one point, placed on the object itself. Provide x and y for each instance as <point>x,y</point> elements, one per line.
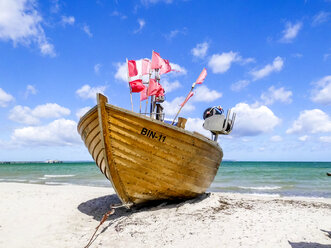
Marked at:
<point>166,125</point>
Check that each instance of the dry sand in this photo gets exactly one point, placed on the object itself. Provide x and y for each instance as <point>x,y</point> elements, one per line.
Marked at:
<point>65,216</point>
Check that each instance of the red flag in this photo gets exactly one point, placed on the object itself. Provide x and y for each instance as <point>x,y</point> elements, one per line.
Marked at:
<point>153,87</point>
<point>160,91</point>
<point>143,94</point>
<point>136,85</point>
<point>188,97</point>
<point>132,68</point>
<point>165,66</point>
<point>202,76</point>
<point>156,61</point>
<point>145,65</point>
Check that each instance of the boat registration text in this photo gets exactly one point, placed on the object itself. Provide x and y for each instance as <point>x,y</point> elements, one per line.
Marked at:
<point>152,134</point>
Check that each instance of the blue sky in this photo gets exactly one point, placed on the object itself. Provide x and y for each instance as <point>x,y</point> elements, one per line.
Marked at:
<point>268,61</point>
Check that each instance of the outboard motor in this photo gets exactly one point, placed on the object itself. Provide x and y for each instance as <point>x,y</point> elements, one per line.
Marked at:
<point>216,122</point>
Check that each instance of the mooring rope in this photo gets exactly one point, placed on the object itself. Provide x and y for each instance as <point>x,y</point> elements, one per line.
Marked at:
<point>104,218</point>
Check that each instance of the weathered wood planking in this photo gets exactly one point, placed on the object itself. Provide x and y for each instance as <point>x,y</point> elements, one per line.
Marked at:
<point>146,159</point>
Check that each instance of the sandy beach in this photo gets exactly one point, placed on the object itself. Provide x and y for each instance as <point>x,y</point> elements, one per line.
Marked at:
<point>66,216</point>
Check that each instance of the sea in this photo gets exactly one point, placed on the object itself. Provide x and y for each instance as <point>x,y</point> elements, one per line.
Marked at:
<point>308,179</point>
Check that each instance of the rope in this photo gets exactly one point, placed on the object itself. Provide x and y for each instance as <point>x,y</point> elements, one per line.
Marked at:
<point>104,218</point>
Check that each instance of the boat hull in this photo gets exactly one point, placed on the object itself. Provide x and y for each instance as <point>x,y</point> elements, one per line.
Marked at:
<point>145,159</point>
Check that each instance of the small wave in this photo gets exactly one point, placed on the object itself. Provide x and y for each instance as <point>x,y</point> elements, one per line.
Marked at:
<point>261,188</point>
<point>53,176</point>
<point>55,183</point>
<point>42,178</point>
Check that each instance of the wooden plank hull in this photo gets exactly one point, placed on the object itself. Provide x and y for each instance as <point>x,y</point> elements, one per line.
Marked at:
<point>146,159</point>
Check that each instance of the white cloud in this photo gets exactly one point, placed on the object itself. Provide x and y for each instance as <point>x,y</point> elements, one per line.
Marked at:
<point>58,132</point>
<point>5,98</point>
<point>82,111</point>
<point>276,66</point>
<point>26,115</point>
<point>196,124</point>
<point>30,90</point>
<point>68,20</point>
<point>326,139</point>
<point>220,63</point>
<point>203,94</point>
<point>173,106</point>
<point>239,85</point>
<point>320,18</point>
<point>276,138</point>
<point>311,121</point>
<point>122,72</point>
<point>20,22</point>
<point>86,91</point>
<point>170,86</point>
<point>119,14</point>
<point>290,31</point>
<point>97,68</point>
<point>322,92</point>
<point>253,120</point>
<point>87,30</point>
<point>178,70</point>
<point>200,50</point>
<point>303,138</point>
<point>274,95</point>
<point>142,24</point>
<point>148,2</point>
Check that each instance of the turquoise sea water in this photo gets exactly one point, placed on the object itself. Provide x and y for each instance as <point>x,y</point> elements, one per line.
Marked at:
<point>279,178</point>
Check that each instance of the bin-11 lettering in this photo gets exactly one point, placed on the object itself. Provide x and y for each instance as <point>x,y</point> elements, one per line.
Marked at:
<point>153,134</point>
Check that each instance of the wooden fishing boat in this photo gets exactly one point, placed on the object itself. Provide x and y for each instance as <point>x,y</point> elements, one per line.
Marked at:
<point>146,159</point>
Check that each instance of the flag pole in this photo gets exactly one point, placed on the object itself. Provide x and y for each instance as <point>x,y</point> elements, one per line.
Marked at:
<point>193,85</point>
<point>127,66</point>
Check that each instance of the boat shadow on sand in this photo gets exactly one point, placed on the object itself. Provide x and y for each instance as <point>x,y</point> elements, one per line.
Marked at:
<point>97,207</point>
<point>311,245</point>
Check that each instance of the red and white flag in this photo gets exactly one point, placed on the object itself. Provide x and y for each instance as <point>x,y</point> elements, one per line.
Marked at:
<point>153,87</point>
<point>188,97</point>
<point>132,68</point>
<point>160,91</point>
<point>143,94</point>
<point>145,66</point>
<point>156,61</point>
<point>136,86</point>
<point>165,66</point>
<point>202,76</point>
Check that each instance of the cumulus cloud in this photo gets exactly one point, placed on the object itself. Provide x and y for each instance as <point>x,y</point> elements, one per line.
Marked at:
<point>276,138</point>
<point>273,95</point>
<point>119,14</point>
<point>303,138</point>
<point>291,31</point>
<point>82,111</point>
<point>142,24</point>
<point>87,30</point>
<point>322,91</point>
<point>58,132</point>
<point>204,94</point>
<point>320,18</point>
<point>86,91</point>
<point>122,72</point>
<point>148,2</point>
<point>253,120</point>
<point>200,50</point>
<point>326,139</point>
<point>220,63</point>
<point>26,115</point>
<point>276,66</point>
<point>178,70</point>
<point>311,121</point>
<point>170,86</point>
<point>20,22</point>
<point>239,85</point>
<point>5,98</point>
<point>174,33</point>
<point>173,106</point>
<point>196,124</point>
<point>67,20</point>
